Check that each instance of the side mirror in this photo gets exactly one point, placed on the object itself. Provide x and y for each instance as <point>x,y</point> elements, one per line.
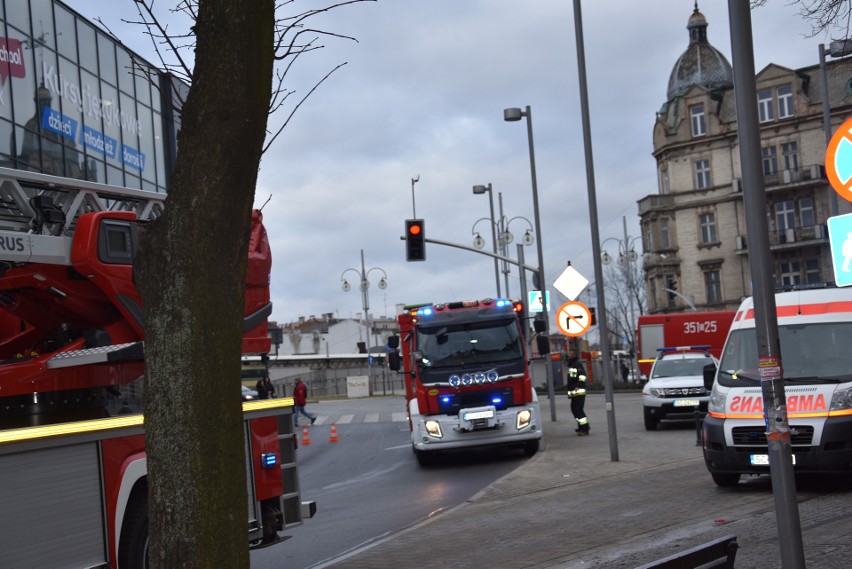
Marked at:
<point>709,376</point>
<point>394,361</point>
<point>543,344</point>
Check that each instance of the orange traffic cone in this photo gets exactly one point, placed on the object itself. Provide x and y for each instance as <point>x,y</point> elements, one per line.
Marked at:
<point>306,437</point>
<point>334,438</point>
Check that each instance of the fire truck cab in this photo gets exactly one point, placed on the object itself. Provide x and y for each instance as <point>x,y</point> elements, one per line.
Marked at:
<point>467,377</point>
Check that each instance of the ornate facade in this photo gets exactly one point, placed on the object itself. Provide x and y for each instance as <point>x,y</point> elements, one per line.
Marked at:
<point>694,227</point>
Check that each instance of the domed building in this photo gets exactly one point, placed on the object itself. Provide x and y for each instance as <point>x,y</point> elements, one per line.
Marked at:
<point>693,228</point>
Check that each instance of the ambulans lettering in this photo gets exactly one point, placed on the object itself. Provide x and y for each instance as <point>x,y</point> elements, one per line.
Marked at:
<point>753,404</point>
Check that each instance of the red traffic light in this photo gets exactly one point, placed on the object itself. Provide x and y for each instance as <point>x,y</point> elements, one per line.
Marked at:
<point>415,240</point>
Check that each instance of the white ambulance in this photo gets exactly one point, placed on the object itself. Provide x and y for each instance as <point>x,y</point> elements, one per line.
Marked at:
<point>815,331</point>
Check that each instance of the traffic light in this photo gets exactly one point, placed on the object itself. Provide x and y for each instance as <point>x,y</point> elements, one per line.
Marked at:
<point>415,240</point>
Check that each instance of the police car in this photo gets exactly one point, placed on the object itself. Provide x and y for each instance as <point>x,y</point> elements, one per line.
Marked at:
<point>675,389</point>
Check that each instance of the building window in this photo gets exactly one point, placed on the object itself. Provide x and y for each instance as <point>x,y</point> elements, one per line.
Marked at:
<point>806,212</point>
<point>713,286</point>
<point>699,127</point>
<point>770,160</point>
<point>764,105</point>
<point>790,273</point>
<point>812,271</point>
<point>785,221</point>
<point>665,186</point>
<point>707,221</point>
<point>665,241</point>
<point>790,155</point>
<point>648,245</point>
<point>702,174</point>
<point>785,101</point>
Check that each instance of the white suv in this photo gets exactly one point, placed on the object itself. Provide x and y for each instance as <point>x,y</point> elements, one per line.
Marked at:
<point>675,389</point>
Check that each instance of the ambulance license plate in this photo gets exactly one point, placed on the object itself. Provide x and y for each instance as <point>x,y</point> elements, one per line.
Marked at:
<point>686,403</point>
<point>763,459</point>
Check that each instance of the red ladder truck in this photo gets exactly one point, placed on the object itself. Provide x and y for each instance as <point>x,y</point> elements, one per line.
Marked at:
<point>467,377</point>
<point>73,473</point>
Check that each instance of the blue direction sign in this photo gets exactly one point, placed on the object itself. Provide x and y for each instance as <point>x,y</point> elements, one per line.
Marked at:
<point>535,301</point>
<point>840,237</point>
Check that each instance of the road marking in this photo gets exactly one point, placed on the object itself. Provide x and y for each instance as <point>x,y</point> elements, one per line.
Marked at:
<point>345,419</point>
<point>372,418</point>
<point>399,417</point>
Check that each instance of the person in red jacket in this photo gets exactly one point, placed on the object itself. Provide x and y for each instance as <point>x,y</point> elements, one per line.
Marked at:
<point>300,395</point>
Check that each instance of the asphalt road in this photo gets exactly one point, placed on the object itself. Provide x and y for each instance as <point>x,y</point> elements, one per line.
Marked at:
<point>368,485</point>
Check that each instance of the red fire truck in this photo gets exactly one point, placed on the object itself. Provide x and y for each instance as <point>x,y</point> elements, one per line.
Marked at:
<point>655,331</point>
<point>467,377</point>
<point>73,475</point>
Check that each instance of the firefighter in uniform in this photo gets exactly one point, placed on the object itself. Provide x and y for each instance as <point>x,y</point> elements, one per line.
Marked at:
<point>577,391</point>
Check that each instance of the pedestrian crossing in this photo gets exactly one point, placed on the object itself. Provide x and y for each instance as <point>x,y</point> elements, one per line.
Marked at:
<point>360,418</point>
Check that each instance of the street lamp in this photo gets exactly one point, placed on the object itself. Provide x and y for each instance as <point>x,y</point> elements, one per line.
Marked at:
<point>837,48</point>
<point>626,255</point>
<point>364,285</point>
<point>506,237</point>
<point>512,115</point>
<point>481,190</point>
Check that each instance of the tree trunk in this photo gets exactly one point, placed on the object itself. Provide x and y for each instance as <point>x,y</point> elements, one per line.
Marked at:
<point>191,274</point>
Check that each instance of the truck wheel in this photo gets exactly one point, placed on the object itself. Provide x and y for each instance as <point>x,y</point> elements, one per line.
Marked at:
<point>531,447</point>
<point>725,479</point>
<point>133,545</point>
<point>424,458</point>
<point>650,421</point>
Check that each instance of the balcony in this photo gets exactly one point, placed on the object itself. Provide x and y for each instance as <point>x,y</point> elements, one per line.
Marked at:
<point>785,179</point>
<point>657,201</point>
<point>798,236</point>
<point>804,176</point>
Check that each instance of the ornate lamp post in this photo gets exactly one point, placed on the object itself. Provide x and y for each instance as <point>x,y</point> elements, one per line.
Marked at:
<point>364,285</point>
<point>626,255</point>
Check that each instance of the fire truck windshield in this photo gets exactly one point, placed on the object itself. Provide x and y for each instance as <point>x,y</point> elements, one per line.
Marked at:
<point>458,344</point>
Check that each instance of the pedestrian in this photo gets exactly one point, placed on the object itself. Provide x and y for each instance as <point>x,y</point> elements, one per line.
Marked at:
<point>624,372</point>
<point>577,391</point>
<point>265,389</point>
<point>300,395</point>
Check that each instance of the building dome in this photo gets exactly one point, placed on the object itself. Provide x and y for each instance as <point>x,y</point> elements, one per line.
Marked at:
<point>701,63</point>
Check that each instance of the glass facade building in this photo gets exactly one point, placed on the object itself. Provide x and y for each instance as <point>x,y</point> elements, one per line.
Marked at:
<point>76,103</point>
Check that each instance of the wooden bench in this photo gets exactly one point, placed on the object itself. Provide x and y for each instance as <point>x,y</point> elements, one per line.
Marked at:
<point>719,553</point>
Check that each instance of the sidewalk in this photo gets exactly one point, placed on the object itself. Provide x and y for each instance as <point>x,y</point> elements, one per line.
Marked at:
<point>572,506</point>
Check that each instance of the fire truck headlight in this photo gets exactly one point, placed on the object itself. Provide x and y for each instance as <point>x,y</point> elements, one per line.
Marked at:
<point>841,400</point>
<point>467,379</point>
<point>717,402</point>
<point>434,429</point>
<point>479,377</point>
<point>455,380</point>
<point>493,376</point>
<point>524,418</point>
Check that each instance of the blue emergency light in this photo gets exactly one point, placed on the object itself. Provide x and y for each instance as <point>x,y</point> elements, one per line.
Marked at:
<point>268,460</point>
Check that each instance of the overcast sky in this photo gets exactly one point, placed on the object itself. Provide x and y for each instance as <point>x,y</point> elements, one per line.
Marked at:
<point>422,94</point>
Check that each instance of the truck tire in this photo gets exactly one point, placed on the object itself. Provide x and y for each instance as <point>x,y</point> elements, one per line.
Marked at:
<point>531,447</point>
<point>725,479</point>
<point>133,545</point>
<point>650,421</point>
<point>424,458</point>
